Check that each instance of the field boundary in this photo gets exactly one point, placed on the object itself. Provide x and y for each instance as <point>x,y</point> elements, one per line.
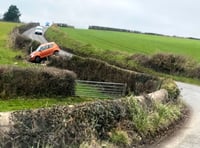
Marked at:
<point>100,89</point>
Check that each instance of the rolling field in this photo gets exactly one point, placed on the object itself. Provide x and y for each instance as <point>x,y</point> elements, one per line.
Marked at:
<point>7,55</point>
<point>135,43</point>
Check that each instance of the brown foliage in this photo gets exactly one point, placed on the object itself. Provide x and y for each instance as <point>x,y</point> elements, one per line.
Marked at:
<point>18,41</point>
<point>62,126</point>
<point>168,63</point>
<point>36,82</point>
<point>96,70</point>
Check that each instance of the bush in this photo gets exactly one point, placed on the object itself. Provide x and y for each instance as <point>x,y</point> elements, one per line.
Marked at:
<point>140,59</point>
<point>62,125</point>
<point>36,82</point>
<point>26,27</point>
<point>168,63</point>
<point>194,72</point>
<point>19,41</point>
<point>120,137</point>
<point>113,120</point>
<point>96,70</point>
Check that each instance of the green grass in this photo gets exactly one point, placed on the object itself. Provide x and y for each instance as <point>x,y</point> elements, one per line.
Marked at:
<point>85,90</point>
<point>152,118</point>
<point>120,137</point>
<point>135,43</point>
<point>22,103</point>
<point>115,47</point>
<point>7,55</point>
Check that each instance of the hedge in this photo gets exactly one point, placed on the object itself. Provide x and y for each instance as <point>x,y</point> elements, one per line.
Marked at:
<point>64,125</point>
<point>70,126</point>
<point>19,41</point>
<point>43,81</point>
<point>96,70</point>
<point>169,63</point>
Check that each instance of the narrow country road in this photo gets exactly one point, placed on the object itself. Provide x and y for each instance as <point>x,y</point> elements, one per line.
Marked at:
<point>40,38</point>
<point>30,34</point>
<point>189,135</point>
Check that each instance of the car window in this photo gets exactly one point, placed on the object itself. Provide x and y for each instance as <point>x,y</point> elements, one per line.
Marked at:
<point>38,28</point>
<point>43,48</point>
<point>39,48</point>
<point>50,45</point>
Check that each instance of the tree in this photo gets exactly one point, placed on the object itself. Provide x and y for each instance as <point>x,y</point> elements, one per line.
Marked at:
<point>12,14</point>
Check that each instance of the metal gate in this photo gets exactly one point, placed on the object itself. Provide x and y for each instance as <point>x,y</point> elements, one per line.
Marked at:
<point>100,89</point>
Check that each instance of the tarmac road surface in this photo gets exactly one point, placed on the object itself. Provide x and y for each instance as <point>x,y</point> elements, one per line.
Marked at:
<point>40,38</point>
<point>189,135</point>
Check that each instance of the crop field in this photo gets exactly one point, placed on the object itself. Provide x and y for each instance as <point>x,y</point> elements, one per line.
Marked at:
<point>7,55</point>
<point>131,43</point>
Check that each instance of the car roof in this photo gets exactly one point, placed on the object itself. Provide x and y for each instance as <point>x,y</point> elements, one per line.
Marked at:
<point>39,27</point>
<point>47,43</point>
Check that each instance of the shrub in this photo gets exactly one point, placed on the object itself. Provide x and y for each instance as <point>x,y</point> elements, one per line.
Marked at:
<point>139,116</point>
<point>63,125</point>
<point>168,63</point>
<point>112,120</point>
<point>19,41</point>
<point>120,137</point>
<point>148,119</point>
<point>172,89</point>
<point>194,72</point>
<point>36,82</point>
<point>140,59</point>
<point>96,70</point>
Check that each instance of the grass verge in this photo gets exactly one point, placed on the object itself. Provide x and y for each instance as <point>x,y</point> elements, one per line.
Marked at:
<point>24,103</point>
<point>8,55</point>
<point>150,118</point>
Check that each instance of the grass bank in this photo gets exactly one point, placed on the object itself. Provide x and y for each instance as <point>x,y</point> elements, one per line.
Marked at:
<point>135,43</point>
<point>117,47</point>
<point>7,55</point>
<point>25,103</point>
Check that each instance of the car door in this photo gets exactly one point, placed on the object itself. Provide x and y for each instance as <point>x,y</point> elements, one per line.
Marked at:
<point>44,51</point>
<point>49,50</point>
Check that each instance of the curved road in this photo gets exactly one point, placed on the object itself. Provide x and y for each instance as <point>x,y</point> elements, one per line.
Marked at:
<point>40,38</point>
<point>189,135</point>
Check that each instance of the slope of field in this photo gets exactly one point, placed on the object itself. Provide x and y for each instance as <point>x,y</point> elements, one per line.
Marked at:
<point>7,55</point>
<point>136,43</point>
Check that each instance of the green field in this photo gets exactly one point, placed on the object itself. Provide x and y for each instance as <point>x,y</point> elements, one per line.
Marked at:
<point>7,55</point>
<point>135,43</point>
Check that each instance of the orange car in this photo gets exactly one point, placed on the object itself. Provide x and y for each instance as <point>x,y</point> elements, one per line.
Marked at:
<point>43,51</point>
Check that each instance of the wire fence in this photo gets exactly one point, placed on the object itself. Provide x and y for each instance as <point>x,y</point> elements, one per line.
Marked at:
<point>100,89</point>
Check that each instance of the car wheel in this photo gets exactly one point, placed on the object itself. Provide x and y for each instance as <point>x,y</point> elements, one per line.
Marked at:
<point>37,59</point>
<point>56,53</point>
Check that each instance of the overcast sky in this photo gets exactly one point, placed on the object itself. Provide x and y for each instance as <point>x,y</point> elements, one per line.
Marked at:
<point>171,17</point>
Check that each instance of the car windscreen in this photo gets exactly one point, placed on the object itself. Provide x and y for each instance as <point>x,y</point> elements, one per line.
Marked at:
<point>39,48</point>
<point>38,28</point>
